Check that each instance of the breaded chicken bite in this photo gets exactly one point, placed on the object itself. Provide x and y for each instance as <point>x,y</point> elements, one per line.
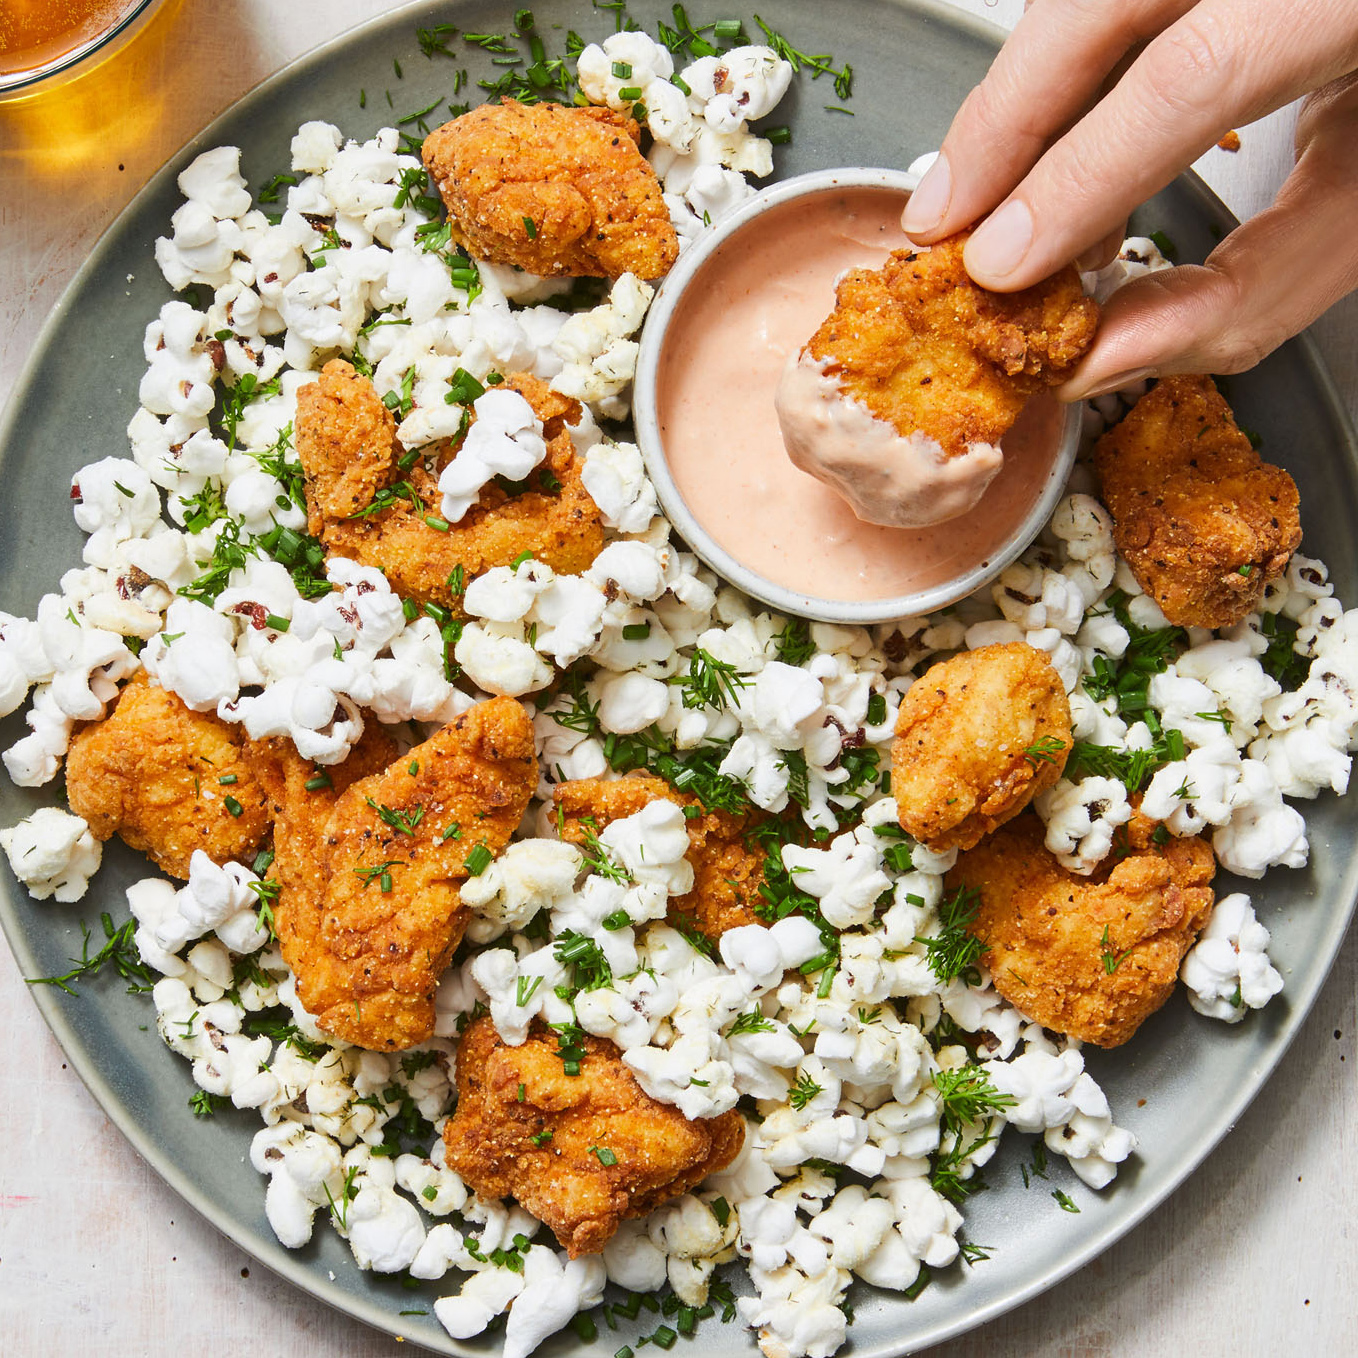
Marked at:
<point>977,738</point>
<point>346,440</point>
<point>900,399</point>
<point>369,909</point>
<point>1204,522</point>
<point>167,780</point>
<point>555,190</point>
<point>581,1152</point>
<point>727,872</point>
<point>1092,957</point>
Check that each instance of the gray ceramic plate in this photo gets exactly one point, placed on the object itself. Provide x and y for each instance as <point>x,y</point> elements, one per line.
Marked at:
<point>913,62</point>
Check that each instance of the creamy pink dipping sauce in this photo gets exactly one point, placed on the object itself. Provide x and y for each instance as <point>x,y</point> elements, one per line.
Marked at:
<point>756,301</point>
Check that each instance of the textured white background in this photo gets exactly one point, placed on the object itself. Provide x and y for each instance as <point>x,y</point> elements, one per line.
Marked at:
<point>1257,1254</point>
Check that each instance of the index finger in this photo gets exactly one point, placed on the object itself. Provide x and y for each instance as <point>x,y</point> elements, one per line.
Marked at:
<point>1049,70</point>
<point>1223,64</point>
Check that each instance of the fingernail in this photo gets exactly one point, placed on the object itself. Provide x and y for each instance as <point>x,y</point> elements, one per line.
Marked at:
<point>1107,384</point>
<point>1000,243</point>
<point>925,208</point>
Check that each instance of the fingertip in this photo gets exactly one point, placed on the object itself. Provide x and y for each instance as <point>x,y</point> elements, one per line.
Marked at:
<point>999,246</point>
<point>1083,387</point>
<point>927,206</point>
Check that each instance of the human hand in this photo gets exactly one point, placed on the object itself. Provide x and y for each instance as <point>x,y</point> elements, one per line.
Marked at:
<point>1094,105</point>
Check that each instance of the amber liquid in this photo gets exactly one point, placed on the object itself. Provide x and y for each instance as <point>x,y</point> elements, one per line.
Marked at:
<point>36,32</point>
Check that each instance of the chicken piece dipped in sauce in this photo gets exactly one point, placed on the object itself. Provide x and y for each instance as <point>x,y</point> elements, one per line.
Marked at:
<point>899,401</point>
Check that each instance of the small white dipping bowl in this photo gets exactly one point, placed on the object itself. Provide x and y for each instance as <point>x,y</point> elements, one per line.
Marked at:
<point>646,416</point>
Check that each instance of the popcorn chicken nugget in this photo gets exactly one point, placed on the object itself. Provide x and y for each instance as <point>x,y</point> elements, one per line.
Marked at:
<point>552,189</point>
<point>581,1148</point>
<point>900,399</point>
<point>1204,522</point>
<point>166,780</point>
<point>977,738</point>
<point>1089,957</point>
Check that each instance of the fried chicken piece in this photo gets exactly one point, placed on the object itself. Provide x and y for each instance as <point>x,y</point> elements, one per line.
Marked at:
<point>1204,522</point>
<point>1052,937</point>
<point>301,814</point>
<point>346,440</point>
<point>899,399</point>
<point>167,780</point>
<point>727,873</point>
<point>552,189</point>
<point>925,348</point>
<point>369,909</point>
<point>977,738</point>
<point>582,1152</point>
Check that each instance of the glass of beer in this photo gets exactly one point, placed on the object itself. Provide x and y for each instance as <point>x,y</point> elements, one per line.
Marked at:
<point>43,42</point>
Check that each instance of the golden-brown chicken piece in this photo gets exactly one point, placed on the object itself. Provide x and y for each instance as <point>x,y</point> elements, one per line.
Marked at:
<point>552,189</point>
<point>1204,522</point>
<point>168,780</point>
<point>346,440</point>
<point>977,738</point>
<point>727,873</point>
<point>1088,956</point>
<point>929,351</point>
<point>301,798</point>
<point>369,910</point>
<point>581,1152</point>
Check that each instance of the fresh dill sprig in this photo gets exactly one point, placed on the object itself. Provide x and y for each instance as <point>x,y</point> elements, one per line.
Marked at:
<point>803,1091</point>
<point>966,1095</point>
<point>403,822</point>
<point>1044,751</point>
<point>1133,768</point>
<point>954,952</point>
<point>794,643</point>
<point>710,682</point>
<point>119,952</point>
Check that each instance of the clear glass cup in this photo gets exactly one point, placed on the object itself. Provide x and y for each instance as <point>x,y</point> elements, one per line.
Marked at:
<point>97,30</point>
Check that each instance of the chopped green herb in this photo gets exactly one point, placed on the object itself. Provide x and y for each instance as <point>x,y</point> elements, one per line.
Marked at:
<point>954,952</point>
<point>403,822</point>
<point>1067,1205</point>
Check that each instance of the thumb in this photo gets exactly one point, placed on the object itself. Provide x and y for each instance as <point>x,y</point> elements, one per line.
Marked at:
<point>1269,279</point>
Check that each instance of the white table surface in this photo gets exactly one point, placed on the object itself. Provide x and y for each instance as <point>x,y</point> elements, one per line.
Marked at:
<point>1256,1254</point>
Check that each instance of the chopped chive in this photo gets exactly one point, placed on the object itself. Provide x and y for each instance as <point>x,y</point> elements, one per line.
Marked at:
<point>227,778</point>
<point>636,631</point>
<point>318,781</point>
<point>233,806</point>
<point>530,226</point>
<point>778,136</point>
<point>478,860</point>
<point>437,524</point>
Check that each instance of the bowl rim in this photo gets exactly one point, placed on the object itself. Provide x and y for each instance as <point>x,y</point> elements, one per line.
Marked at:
<point>645,417</point>
<point>13,82</point>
